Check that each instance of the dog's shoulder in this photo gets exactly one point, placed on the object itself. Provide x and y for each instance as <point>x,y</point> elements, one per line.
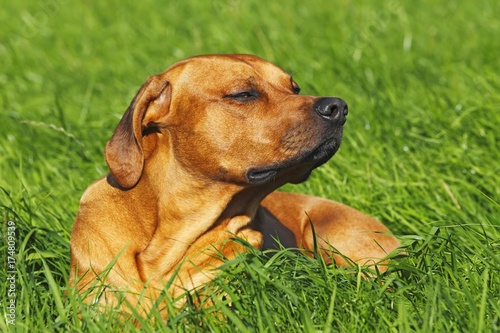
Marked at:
<point>99,200</point>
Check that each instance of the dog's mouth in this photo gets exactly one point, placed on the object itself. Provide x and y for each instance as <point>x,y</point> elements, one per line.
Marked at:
<point>259,176</point>
<point>311,159</point>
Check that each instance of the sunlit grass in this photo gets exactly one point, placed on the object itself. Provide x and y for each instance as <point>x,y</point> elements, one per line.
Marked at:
<point>420,152</point>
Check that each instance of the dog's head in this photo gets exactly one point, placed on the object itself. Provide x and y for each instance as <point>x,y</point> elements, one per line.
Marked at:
<point>229,118</point>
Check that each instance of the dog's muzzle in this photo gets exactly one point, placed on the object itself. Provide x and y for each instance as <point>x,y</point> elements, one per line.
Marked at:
<point>332,109</point>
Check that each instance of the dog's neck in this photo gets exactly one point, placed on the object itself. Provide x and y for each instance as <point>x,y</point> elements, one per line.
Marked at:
<point>192,215</point>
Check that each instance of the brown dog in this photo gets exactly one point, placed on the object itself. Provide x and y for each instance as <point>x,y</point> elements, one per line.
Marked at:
<point>193,164</point>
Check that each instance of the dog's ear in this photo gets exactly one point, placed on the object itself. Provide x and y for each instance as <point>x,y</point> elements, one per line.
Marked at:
<point>123,152</point>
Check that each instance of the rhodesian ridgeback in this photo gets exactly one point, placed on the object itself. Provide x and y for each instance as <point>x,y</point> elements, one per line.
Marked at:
<point>194,164</point>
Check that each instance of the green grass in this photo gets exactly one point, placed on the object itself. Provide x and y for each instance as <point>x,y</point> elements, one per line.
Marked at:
<point>421,153</point>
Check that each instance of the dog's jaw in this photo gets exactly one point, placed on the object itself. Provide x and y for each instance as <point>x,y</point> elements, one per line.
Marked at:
<point>307,161</point>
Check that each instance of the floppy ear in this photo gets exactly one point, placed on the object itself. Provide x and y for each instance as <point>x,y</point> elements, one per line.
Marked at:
<point>123,151</point>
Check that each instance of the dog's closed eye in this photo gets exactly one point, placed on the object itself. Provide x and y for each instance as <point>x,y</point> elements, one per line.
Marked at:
<point>244,96</point>
<point>295,87</point>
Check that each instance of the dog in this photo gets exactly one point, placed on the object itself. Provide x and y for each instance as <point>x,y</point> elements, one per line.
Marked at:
<point>194,164</point>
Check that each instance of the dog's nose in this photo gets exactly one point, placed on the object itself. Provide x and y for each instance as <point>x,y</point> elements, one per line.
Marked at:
<point>332,109</point>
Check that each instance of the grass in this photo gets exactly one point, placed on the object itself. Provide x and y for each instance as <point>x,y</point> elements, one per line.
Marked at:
<point>421,153</point>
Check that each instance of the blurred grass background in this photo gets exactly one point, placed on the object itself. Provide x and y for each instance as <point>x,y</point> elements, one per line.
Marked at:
<point>420,151</point>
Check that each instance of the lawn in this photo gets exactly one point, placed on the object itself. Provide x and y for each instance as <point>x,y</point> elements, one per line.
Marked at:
<point>421,152</point>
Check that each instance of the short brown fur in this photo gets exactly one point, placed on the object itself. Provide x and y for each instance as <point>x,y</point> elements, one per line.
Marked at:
<point>191,167</point>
